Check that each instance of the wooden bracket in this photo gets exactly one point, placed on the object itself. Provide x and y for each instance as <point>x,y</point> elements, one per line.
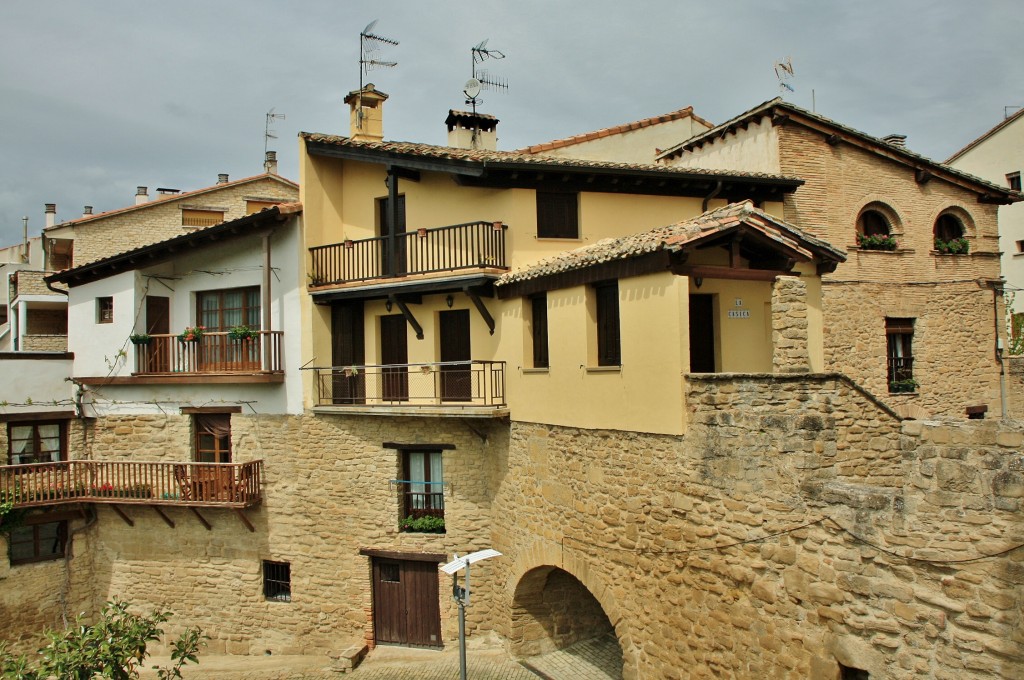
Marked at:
<point>120,512</point>
<point>479,304</point>
<point>245,520</point>
<point>408,316</point>
<point>202,520</point>
<point>163,515</point>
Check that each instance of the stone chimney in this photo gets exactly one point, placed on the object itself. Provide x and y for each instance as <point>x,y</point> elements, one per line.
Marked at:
<point>896,140</point>
<point>366,114</point>
<point>141,195</point>
<point>472,130</point>
<point>51,214</point>
<point>270,163</point>
<point>87,211</point>
<point>222,178</point>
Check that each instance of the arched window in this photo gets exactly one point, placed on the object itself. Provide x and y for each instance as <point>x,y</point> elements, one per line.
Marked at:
<point>873,223</point>
<point>875,229</point>
<point>950,235</point>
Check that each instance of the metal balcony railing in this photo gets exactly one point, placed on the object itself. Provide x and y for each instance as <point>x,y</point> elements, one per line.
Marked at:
<point>450,384</point>
<point>229,485</point>
<point>213,352</point>
<point>475,245</point>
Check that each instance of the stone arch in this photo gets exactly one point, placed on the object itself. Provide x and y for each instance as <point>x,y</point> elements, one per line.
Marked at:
<point>961,214</point>
<point>874,206</point>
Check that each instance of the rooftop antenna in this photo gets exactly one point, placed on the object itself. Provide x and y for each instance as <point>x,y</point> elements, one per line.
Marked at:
<point>369,44</point>
<point>268,134</point>
<point>783,72</point>
<point>482,80</point>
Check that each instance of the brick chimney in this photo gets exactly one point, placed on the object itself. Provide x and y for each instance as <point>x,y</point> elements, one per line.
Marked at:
<point>51,214</point>
<point>141,195</point>
<point>222,178</point>
<point>472,130</point>
<point>270,163</point>
<point>87,211</point>
<point>896,140</point>
<point>366,114</point>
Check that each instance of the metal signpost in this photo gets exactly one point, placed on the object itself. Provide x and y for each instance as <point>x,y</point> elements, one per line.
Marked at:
<point>461,594</point>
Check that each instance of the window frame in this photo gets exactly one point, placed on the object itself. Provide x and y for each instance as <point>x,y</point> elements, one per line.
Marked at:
<point>899,352</point>
<point>35,525</point>
<point>1013,180</point>
<point>250,314</point>
<point>200,218</point>
<point>558,214</point>
<point>433,503</point>
<point>277,581</point>
<point>105,309</point>
<point>947,223</point>
<point>539,330</point>
<point>205,425</point>
<point>609,335</point>
<point>863,226</point>
<point>62,444</point>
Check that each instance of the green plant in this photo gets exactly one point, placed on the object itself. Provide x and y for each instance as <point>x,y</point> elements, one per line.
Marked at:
<point>426,525</point>
<point>909,385</point>
<point>10,518</point>
<point>242,332</point>
<point>191,334</point>
<point>877,242</point>
<point>113,647</point>
<point>954,246</point>
<point>140,338</point>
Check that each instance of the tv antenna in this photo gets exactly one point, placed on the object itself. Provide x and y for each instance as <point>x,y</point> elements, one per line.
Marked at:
<point>369,45</point>
<point>784,72</point>
<point>481,79</point>
<point>269,134</point>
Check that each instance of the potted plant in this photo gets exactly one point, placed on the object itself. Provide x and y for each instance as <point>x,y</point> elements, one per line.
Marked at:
<point>191,334</point>
<point>140,338</point>
<point>901,386</point>
<point>423,525</point>
<point>877,242</point>
<point>954,246</point>
<point>242,332</point>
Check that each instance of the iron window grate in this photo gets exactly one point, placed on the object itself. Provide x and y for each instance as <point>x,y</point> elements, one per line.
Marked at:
<point>277,581</point>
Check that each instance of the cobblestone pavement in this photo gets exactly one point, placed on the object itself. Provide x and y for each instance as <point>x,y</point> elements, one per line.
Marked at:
<point>397,663</point>
<point>596,659</point>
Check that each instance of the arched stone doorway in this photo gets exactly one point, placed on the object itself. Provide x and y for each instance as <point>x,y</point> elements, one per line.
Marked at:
<point>555,617</point>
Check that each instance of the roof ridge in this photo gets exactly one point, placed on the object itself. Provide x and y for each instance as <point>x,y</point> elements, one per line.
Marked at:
<point>991,131</point>
<point>686,112</point>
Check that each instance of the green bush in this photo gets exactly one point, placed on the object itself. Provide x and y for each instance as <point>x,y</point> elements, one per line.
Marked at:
<point>426,525</point>
<point>954,246</point>
<point>877,242</point>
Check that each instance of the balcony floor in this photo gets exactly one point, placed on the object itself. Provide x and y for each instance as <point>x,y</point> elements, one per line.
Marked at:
<point>439,411</point>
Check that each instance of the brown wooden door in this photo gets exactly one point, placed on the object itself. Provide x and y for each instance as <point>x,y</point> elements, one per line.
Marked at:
<point>158,322</point>
<point>400,261</point>
<point>456,380</point>
<point>406,603</point>
<point>702,334</point>
<point>394,351</point>
<point>347,351</point>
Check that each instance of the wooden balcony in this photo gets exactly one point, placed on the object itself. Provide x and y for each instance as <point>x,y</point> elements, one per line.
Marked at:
<point>460,388</point>
<point>475,245</point>
<point>212,353</point>
<point>194,485</point>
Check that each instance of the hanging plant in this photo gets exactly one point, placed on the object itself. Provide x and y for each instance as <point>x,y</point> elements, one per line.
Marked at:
<point>191,334</point>
<point>242,332</point>
<point>140,338</point>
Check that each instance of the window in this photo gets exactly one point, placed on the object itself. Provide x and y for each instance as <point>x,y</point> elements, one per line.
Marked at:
<point>43,442</point>
<point>222,310</point>
<point>608,351</point>
<point>558,214</point>
<point>424,484</point>
<point>201,218</point>
<point>1013,180</point>
<point>948,227</point>
<point>277,581</point>
<point>899,335</point>
<point>873,223</point>
<point>850,673</point>
<point>255,205</point>
<point>539,330</point>
<point>104,310</point>
<point>1020,246</point>
<point>213,437</point>
<point>37,540</point>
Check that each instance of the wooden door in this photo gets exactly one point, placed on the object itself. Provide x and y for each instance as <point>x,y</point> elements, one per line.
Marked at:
<point>348,383</point>
<point>158,322</point>
<point>702,334</point>
<point>394,354</point>
<point>456,380</point>
<point>400,259</point>
<point>406,605</point>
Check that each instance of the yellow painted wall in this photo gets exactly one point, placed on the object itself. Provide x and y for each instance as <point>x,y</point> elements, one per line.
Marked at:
<point>742,345</point>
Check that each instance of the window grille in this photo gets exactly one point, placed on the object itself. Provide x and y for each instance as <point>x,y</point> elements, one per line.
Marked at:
<point>277,581</point>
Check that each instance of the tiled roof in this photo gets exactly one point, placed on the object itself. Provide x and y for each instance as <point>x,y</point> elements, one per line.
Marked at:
<point>1003,123</point>
<point>489,157</point>
<point>680,236</point>
<point>616,130</point>
<point>171,197</point>
<point>871,141</point>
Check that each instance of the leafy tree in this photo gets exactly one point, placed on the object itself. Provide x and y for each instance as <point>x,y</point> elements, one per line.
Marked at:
<point>114,647</point>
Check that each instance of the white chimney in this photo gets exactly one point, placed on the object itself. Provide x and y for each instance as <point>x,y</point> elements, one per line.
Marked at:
<point>366,114</point>
<point>472,130</point>
<point>222,178</point>
<point>87,211</point>
<point>270,163</point>
<point>51,214</point>
<point>141,195</point>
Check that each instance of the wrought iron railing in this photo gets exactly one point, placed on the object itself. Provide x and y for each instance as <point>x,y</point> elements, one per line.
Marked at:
<point>451,384</point>
<point>212,352</point>
<point>474,245</point>
<point>900,369</point>
<point>234,485</point>
<point>424,504</point>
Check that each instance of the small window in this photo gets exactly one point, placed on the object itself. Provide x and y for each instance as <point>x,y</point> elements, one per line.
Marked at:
<point>899,335</point>
<point>31,443</point>
<point>105,310</point>
<point>849,673</point>
<point>948,227</point>
<point>608,349</point>
<point>1020,246</point>
<point>37,541</point>
<point>539,330</point>
<point>277,581</point>
<point>252,206</point>
<point>201,218</point>
<point>390,572</point>
<point>1013,180</point>
<point>873,223</point>
<point>558,214</point>
<point>423,475</point>
<point>213,437</point>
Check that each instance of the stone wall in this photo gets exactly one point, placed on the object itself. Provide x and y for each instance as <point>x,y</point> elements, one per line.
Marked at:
<point>789,326</point>
<point>1015,386</point>
<point>47,321</point>
<point>45,343</point>
<point>31,283</point>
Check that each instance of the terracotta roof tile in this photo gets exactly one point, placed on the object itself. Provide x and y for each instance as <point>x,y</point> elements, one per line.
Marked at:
<point>618,129</point>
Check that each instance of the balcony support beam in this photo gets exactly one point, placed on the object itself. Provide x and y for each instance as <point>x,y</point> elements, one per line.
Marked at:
<point>202,520</point>
<point>163,516</point>
<point>408,316</point>
<point>245,520</point>
<point>480,307</point>
<point>122,515</point>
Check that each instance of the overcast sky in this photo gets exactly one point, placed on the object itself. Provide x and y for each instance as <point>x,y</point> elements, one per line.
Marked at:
<point>99,97</point>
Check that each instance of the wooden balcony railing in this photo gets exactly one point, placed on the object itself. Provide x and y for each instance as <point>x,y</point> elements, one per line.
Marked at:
<point>475,245</point>
<point>228,485</point>
<point>451,384</point>
<point>211,353</point>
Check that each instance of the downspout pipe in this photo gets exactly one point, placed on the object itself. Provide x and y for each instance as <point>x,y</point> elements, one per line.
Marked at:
<point>714,193</point>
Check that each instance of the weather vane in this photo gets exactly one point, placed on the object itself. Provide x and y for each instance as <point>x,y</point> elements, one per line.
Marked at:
<point>269,134</point>
<point>784,71</point>
<point>369,44</point>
